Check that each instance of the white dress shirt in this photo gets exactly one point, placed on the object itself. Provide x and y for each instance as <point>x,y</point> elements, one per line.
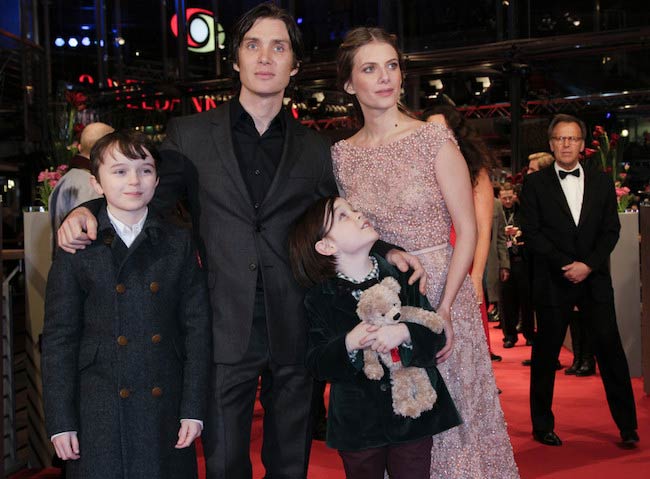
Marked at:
<point>127,233</point>
<point>573,188</point>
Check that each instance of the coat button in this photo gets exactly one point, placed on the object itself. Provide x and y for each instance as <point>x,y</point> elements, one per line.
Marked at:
<point>383,387</point>
<point>122,341</point>
<point>156,338</point>
<point>154,287</point>
<point>156,392</point>
<point>120,288</point>
<point>252,266</point>
<point>124,393</point>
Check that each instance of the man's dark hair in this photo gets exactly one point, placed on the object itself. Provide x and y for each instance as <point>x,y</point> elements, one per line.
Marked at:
<point>564,118</point>
<point>266,10</point>
<point>132,144</point>
<point>309,266</point>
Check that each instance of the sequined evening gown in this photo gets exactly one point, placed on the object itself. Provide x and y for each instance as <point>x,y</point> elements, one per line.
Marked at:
<point>395,186</point>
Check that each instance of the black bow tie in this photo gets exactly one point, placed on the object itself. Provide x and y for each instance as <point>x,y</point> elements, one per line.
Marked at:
<point>564,174</point>
<point>347,287</point>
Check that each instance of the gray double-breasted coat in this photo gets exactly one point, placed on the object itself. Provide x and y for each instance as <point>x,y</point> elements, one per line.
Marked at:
<point>126,351</point>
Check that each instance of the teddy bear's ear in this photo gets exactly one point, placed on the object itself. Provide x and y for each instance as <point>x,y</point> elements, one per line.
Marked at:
<point>391,283</point>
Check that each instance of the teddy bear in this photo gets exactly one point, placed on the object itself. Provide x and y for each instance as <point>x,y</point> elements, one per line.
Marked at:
<point>411,388</point>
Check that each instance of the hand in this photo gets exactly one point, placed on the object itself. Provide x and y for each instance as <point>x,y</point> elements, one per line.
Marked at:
<point>354,339</point>
<point>446,351</point>
<point>189,431</point>
<point>403,261</point>
<point>77,231</point>
<point>504,274</point>
<point>388,337</point>
<point>477,282</point>
<point>576,272</point>
<point>66,446</point>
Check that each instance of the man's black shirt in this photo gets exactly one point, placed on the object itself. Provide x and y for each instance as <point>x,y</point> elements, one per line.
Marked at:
<point>258,156</point>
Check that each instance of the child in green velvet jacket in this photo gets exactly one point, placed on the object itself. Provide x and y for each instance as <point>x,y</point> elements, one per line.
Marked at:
<point>330,250</point>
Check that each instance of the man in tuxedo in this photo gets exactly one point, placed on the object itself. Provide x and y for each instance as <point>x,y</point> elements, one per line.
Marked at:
<point>247,170</point>
<point>571,225</point>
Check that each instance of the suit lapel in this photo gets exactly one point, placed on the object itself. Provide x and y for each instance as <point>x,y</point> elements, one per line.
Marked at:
<point>553,183</point>
<point>223,148</point>
<point>291,149</point>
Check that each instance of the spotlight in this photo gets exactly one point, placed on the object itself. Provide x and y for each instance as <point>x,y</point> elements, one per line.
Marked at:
<point>85,41</point>
<point>625,133</point>
<point>73,42</point>
<point>299,20</point>
<point>59,42</point>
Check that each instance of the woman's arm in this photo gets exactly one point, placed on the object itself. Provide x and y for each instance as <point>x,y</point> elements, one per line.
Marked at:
<point>453,178</point>
<point>483,208</point>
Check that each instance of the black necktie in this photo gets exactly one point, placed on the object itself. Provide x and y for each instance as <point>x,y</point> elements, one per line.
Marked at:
<point>347,287</point>
<point>564,174</point>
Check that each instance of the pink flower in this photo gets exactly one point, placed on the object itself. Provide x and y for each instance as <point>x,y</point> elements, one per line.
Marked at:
<point>52,183</point>
<point>616,137</point>
<point>42,176</point>
<point>62,168</point>
<point>622,176</point>
<point>595,144</point>
<point>622,191</point>
<point>599,129</point>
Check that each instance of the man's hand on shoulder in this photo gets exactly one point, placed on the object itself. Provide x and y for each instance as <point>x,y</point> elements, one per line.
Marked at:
<point>77,231</point>
<point>403,261</point>
<point>576,272</point>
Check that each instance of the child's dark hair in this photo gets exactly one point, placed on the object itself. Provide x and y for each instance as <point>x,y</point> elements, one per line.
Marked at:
<point>310,267</point>
<point>132,144</point>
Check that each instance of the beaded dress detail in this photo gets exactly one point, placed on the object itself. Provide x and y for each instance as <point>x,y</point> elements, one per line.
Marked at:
<point>395,186</point>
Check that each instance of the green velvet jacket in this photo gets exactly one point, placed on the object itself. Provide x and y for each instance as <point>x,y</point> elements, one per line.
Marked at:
<point>360,414</point>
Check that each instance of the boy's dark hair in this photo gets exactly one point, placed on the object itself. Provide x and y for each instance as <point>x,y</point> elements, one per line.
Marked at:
<point>310,267</point>
<point>266,10</point>
<point>564,118</point>
<point>132,144</point>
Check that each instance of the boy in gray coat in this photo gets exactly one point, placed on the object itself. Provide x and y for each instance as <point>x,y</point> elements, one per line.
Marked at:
<point>127,337</point>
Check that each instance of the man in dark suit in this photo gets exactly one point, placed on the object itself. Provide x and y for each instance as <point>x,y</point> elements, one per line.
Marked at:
<point>247,171</point>
<point>571,226</point>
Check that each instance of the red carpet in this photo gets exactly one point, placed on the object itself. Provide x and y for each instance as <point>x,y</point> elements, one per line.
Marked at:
<point>582,421</point>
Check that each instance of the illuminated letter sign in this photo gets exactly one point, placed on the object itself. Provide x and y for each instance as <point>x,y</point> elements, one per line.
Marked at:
<point>200,30</point>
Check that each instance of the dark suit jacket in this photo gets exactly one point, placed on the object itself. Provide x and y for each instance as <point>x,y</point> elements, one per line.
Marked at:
<point>555,241</point>
<point>126,351</point>
<point>239,240</point>
<point>360,413</point>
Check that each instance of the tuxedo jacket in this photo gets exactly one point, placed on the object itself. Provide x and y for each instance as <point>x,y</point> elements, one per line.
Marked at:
<point>555,241</point>
<point>238,240</point>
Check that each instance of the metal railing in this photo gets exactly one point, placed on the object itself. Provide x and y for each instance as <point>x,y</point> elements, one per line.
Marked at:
<point>12,461</point>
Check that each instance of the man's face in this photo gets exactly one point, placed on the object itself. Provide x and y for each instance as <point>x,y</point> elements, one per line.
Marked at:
<point>566,144</point>
<point>507,198</point>
<point>265,59</point>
